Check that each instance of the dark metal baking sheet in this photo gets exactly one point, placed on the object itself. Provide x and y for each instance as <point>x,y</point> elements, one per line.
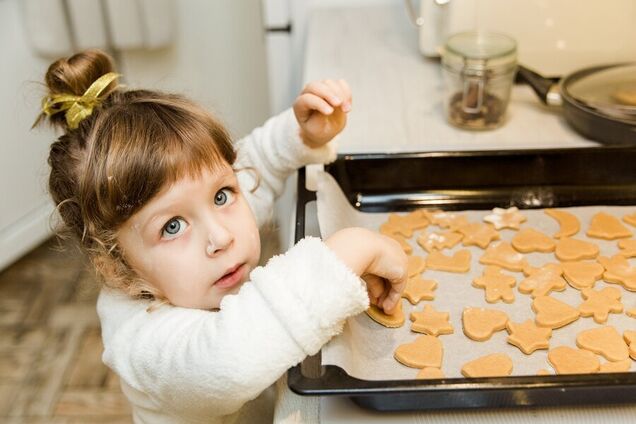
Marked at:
<point>474,180</point>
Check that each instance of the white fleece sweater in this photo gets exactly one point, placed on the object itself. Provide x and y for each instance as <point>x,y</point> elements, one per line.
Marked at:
<point>180,365</point>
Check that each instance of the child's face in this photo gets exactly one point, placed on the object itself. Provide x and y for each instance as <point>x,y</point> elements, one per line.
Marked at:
<point>196,241</point>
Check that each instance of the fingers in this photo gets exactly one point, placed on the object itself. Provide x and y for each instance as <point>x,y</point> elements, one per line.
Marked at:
<point>307,102</point>
<point>391,266</point>
<point>375,287</point>
<point>336,93</point>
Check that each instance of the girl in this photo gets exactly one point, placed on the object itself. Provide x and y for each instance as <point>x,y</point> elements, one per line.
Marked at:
<point>168,212</point>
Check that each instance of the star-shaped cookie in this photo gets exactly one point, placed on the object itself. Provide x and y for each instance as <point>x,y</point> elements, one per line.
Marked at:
<point>599,304</point>
<point>505,218</point>
<point>478,234</point>
<point>542,281</point>
<point>528,337</point>
<point>418,289</point>
<point>430,321</point>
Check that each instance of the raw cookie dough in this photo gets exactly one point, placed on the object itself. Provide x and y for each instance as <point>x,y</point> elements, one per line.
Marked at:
<point>505,218</point>
<point>459,262</point>
<point>478,234</point>
<point>480,323</point>
<point>430,321</point>
<point>582,275</point>
<point>568,249</point>
<point>418,289</point>
<point>553,313</point>
<point>608,227</point>
<point>542,281</point>
<point>530,240</point>
<point>605,341</point>
<point>502,254</point>
<point>619,271</point>
<point>493,365</point>
<point>599,304</point>
<point>425,351</point>
<point>569,224</point>
<point>566,360</point>
<point>498,286</point>
<point>390,321</point>
<point>528,337</point>
<point>439,241</point>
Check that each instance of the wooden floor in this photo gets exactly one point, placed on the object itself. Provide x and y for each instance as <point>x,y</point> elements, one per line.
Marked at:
<point>50,345</point>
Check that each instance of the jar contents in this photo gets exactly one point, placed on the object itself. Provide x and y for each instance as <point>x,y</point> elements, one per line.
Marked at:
<point>467,111</point>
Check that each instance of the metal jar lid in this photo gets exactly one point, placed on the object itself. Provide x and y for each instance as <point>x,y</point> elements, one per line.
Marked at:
<point>478,52</point>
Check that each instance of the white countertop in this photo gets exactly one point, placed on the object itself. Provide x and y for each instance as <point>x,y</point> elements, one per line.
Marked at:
<point>397,92</point>
<point>397,107</point>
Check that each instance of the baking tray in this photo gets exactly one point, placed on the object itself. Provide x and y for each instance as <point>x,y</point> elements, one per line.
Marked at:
<point>538,178</point>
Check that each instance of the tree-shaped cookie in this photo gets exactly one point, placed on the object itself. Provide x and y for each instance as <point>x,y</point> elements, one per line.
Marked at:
<point>418,289</point>
<point>542,281</point>
<point>581,274</point>
<point>605,341</point>
<point>569,249</point>
<point>430,321</point>
<point>530,240</point>
<point>458,262</point>
<point>569,224</point>
<point>493,365</point>
<point>567,360</point>
<point>599,304</point>
<point>553,313</point>
<point>627,247</point>
<point>505,218</point>
<point>619,271</point>
<point>528,337</point>
<point>439,241</point>
<point>503,255</point>
<point>478,234</point>
<point>480,323</point>
<point>608,227</point>
<point>425,351</point>
<point>498,286</point>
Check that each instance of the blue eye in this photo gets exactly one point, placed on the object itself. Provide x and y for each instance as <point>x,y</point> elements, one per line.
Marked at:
<point>173,228</point>
<point>223,196</point>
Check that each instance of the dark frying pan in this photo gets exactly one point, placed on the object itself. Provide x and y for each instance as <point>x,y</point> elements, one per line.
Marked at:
<point>602,124</point>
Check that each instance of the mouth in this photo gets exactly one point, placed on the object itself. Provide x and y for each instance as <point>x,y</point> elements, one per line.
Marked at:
<point>231,278</point>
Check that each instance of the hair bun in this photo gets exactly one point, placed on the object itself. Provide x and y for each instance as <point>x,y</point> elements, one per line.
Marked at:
<point>74,75</point>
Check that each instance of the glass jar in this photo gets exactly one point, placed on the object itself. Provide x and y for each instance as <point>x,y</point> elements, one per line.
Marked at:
<point>479,69</point>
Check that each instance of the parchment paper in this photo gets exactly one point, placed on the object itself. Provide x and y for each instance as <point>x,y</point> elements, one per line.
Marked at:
<point>365,348</point>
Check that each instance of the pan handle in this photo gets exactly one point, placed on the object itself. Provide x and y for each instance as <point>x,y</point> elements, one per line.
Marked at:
<point>546,88</point>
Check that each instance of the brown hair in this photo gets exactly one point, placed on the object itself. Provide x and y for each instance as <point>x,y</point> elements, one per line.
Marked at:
<point>118,158</point>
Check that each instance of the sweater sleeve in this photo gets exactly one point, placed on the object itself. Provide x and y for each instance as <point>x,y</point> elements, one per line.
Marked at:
<point>190,360</point>
<point>268,155</point>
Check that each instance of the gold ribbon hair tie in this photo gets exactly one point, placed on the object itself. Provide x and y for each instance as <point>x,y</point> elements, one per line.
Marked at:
<point>78,107</point>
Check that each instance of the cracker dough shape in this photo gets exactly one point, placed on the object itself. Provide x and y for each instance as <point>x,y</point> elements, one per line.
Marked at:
<point>493,365</point>
<point>505,218</point>
<point>430,373</point>
<point>619,271</point>
<point>619,366</point>
<point>480,323</point>
<point>582,275</point>
<point>418,289</point>
<point>415,265</point>
<point>605,341</point>
<point>406,247</point>
<point>630,339</point>
<point>391,321</point>
<point>569,224</point>
<point>630,219</point>
<point>628,248</point>
<point>502,254</point>
<point>426,351</point>
<point>478,234</point>
<point>569,249</point>
<point>430,321</point>
<point>459,262</point>
<point>567,360</point>
<point>599,304</point>
<point>542,281</point>
<point>498,286</point>
<point>608,227</point>
<point>530,240</point>
<point>439,241</point>
<point>553,313</point>
<point>528,337</point>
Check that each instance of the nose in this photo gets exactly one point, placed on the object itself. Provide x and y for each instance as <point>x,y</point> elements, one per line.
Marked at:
<point>219,240</point>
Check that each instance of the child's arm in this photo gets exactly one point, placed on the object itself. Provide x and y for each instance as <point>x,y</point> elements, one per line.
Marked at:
<point>211,363</point>
<point>290,140</point>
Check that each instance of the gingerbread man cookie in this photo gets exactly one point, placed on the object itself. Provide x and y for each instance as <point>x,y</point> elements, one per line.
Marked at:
<point>528,337</point>
<point>569,224</point>
<point>418,289</point>
<point>498,286</point>
<point>459,262</point>
<point>605,341</point>
<point>505,218</point>
<point>608,227</point>
<point>542,281</point>
<point>493,365</point>
<point>478,234</point>
<point>599,304</point>
<point>627,247</point>
<point>619,271</point>
<point>582,275</point>
<point>553,313</point>
<point>480,324</point>
<point>439,241</point>
<point>502,254</point>
<point>530,240</point>
<point>430,321</point>
<point>566,360</point>
<point>568,249</point>
<point>425,351</point>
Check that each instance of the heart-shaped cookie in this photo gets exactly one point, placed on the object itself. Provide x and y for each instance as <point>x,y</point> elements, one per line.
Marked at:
<point>566,360</point>
<point>530,240</point>
<point>553,313</point>
<point>582,275</point>
<point>493,365</point>
<point>425,351</point>
<point>481,323</point>
<point>604,341</point>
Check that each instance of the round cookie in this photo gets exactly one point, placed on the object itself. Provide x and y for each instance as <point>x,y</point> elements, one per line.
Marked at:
<point>391,321</point>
